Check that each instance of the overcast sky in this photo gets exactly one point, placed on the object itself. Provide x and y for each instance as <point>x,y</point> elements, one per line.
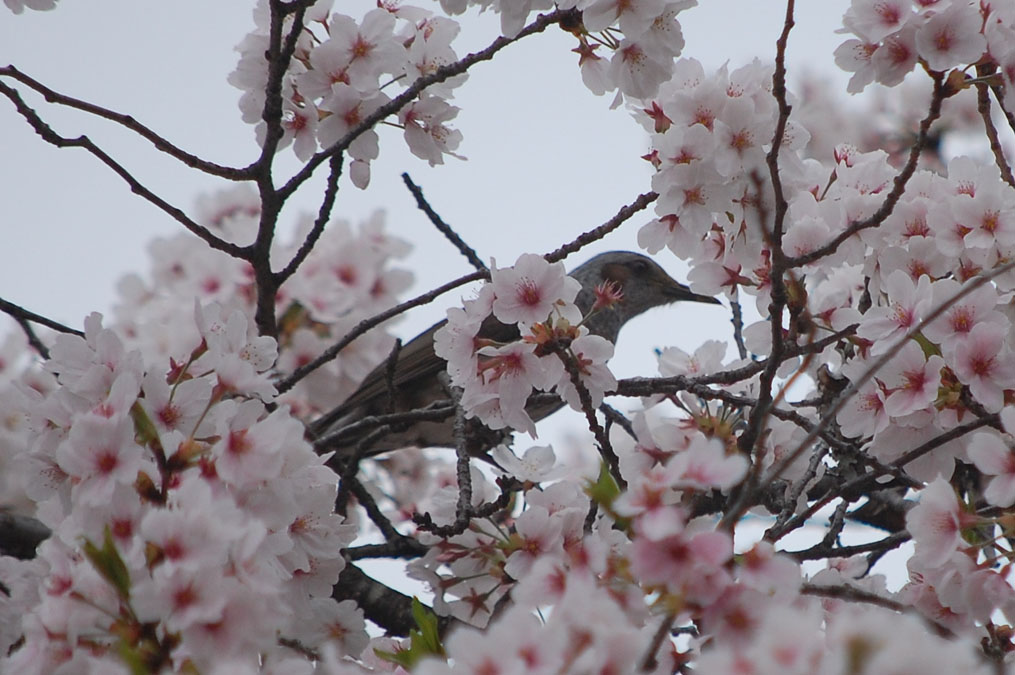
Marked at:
<point>547,159</point>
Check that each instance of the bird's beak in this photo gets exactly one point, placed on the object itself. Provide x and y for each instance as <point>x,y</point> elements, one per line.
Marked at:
<point>679,292</point>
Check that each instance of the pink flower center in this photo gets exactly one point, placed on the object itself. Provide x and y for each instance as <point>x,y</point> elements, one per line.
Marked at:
<point>528,293</point>
<point>962,320</point>
<point>238,443</point>
<point>107,461</point>
<point>991,220</point>
<point>943,41</point>
<point>184,597</point>
<point>888,13</point>
<point>981,365</point>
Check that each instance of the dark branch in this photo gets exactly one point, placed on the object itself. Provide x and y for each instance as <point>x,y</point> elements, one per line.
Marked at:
<point>444,228</point>
<point>415,89</point>
<point>53,138</point>
<point>127,121</point>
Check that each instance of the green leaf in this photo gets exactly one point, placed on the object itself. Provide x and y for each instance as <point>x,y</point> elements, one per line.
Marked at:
<point>929,348</point>
<point>144,429</point>
<point>108,563</point>
<point>605,489</point>
<point>132,659</point>
<point>424,640</point>
<point>426,620</point>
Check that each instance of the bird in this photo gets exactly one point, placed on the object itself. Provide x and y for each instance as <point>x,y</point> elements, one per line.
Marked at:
<point>416,378</point>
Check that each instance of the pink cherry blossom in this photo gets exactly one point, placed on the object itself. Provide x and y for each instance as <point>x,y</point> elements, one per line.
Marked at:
<point>249,451</point>
<point>636,71</point>
<point>936,523</point>
<point>994,457</point>
<point>98,454</point>
<point>740,134</point>
<point>705,465</point>
<point>531,289</point>
<point>689,563</point>
<point>537,464</point>
<point>896,57</point>
<point>426,132</point>
<point>912,380</point>
<point>981,362</point>
<point>590,352</point>
<point>856,56</point>
<point>874,20</point>
<point>907,304</point>
<point>952,37</point>
<point>962,315</point>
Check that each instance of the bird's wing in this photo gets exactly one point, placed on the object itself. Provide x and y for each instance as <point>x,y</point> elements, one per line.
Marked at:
<point>417,367</point>
<point>416,363</point>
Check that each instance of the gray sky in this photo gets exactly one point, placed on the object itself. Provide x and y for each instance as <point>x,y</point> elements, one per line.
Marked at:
<point>547,159</point>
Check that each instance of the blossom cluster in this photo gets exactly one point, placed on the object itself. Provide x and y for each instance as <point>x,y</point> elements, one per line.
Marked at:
<point>344,70</point>
<point>893,36</point>
<point>643,36</point>
<point>498,378</point>
<point>337,77</point>
<point>195,528</point>
<point>189,524</point>
<point>345,279</point>
<point>149,449</point>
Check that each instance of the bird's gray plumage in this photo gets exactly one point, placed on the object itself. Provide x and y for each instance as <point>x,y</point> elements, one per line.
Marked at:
<point>417,383</point>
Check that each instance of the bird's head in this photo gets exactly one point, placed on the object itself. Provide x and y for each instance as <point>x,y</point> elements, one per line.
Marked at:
<point>643,283</point>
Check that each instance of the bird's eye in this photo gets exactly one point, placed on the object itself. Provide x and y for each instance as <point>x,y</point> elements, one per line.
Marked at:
<point>639,267</point>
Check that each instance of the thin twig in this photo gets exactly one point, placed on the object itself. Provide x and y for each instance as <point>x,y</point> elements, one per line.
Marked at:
<point>347,471</point>
<point>444,228</point>
<point>646,386</point>
<point>822,550</point>
<point>602,440</point>
<point>508,486</point>
<point>442,74</point>
<point>34,341</point>
<point>598,233</point>
<point>366,500</point>
<point>363,326</point>
<point>649,662</point>
<point>20,313</point>
<point>323,214</point>
<point>614,416</point>
<point>405,547</point>
<point>983,107</point>
<point>845,592</point>
<point>55,139</point>
<point>279,55</point>
<point>898,184</point>
<point>751,437</point>
<point>433,412</point>
<point>128,122</point>
<point>738,326</point>
<point>463,465</point>
<point>390,369</point>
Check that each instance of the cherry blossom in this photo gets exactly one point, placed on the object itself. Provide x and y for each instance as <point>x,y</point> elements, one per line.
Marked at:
<point>875,20</point>
<point>908,303</point>
<point>993,456</point>
<point>952,37</point>
<point>196,523</point>
<point>980,362</point>
<point>911,380</point>
<point>528,291</point>
<point>936,523</point>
